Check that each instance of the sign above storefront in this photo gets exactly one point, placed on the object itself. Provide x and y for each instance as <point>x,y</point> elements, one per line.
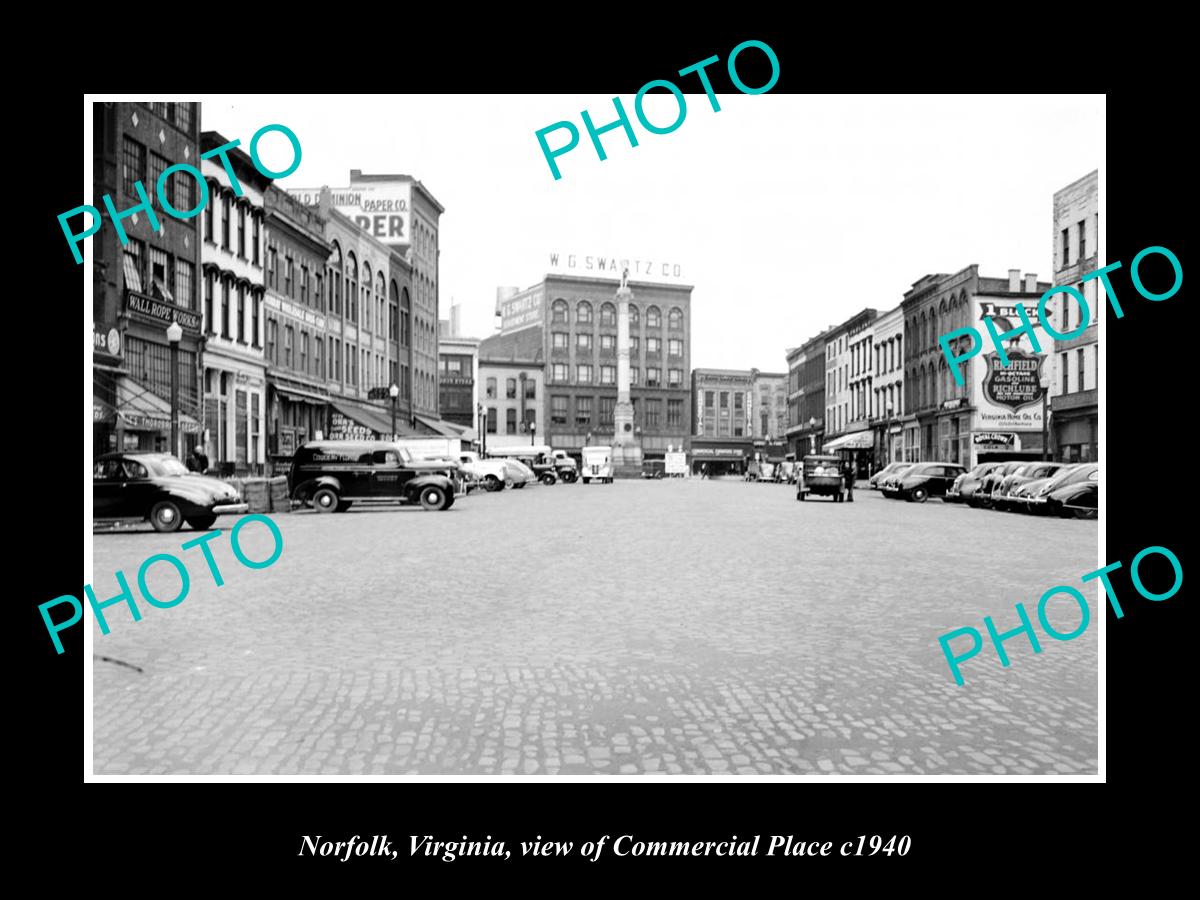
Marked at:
<point>106,342</point>
<point>161,311</point>
<point>300,313</point>
<point>1001,438</point>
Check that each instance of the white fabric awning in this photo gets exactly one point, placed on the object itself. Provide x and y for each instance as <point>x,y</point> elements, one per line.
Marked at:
<point>859,440</point>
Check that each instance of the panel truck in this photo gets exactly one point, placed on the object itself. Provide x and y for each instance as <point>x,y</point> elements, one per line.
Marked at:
<point>597,464</point>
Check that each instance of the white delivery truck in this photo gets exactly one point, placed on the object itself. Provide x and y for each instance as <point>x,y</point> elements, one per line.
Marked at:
<point>597,464</point>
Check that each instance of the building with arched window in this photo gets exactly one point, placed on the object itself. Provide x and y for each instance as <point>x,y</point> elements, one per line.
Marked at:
<point>565,329</point>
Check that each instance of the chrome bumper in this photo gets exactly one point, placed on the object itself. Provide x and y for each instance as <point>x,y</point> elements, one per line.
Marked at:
<point>223,509</point>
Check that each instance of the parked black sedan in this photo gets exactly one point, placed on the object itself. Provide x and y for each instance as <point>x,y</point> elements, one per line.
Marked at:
<point>928,479</point>
<point>1078,499</point>
<point>159,488</point>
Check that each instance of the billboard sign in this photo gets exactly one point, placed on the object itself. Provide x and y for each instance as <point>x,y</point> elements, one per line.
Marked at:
<point>383,209</point>
<point>524,309</point>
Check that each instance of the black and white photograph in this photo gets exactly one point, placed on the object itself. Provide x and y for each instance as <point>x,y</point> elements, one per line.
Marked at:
<point>702,434</point>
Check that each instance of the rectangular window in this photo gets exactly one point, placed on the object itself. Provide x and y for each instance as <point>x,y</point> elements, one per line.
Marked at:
<point>559,372</point>
<point>608,374</point>
<point>255,315</point>
<point>1063,358</point>
<point>675,345</point>
<point>607,405</point>
<point>241,247</point>
<point>653,376</point>
<point>209,325</point>
<point>653,412</point>
<point>304,352</point>
<point>674,413</point>
<point>608,342</point>
<point>1082,240</point>
<point>653,345</point>
<point>185,294</point>
<point>510,423</point>
<point>210,212</point>
<point>559,340</point>
<point>583,341</point>
<point>133,167</point>
<point>635,344</point>
<point>226,213</point>
<point>1066,247</point>
<point>708,399</point>
<point>674,377</point>
<point>288,272</point>
<point>241,314</point>
<point>272,340</point>
<point>635,375</point>
<point>304,285</point>
<point>583,412</point>
<point>256,239</point>
<point>583,374</point>
<point>510,389</point>
<point>530,388</point>
<point>1079,360</point>
<point>724,400</point>
<point>318,357</point>
<point>182,191</point>
<point>558,410</point>
<point>183,115</point>
<point>288,335</point>
<point>738,400</point>
<point>491,420</point>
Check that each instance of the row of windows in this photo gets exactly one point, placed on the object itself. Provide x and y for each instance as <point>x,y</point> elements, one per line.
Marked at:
<point>181,115</point>
<point>950,315</point>
<point>651,408</point>
<point>889,401</point>
<point>232,328</point>
<point>559,340</point>
<point>560,310</point>
<point>713,427</point>
<point>510,389</point>
<point>356,366</point>
<point>585,374</point>
<point>889,356</point>
<point>930,385</point>
<point>159,273</point>
<point>347,293</point>
<point>1080,370</point>
<point>510,420</point>
<point>1081,242</point>
<point>180,189</point>
<point>221,210</point>
<point>722,399</point>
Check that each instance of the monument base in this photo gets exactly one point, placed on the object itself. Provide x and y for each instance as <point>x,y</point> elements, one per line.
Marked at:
<point>627,461</point>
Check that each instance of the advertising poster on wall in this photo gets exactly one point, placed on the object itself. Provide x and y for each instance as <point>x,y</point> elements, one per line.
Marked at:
<point>524,309</point>
<point>1008,397</point>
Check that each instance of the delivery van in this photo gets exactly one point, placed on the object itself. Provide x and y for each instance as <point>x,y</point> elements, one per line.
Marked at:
<point>597,464</point>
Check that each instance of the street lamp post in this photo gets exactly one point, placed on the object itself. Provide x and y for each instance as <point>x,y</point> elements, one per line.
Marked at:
<point>532,432</point>
<point>174,336</point>
<point>394,393</point>
<point>812,434</point>
<point>482,429</point>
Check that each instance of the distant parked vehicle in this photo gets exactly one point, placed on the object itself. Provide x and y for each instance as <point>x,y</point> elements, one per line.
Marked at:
<point>966,484</point>
<point>927,480</point>
<point>159,488</point>
<point>597,464</point>
<point>1040,501</point>
<point>490,473</point>
<point>542,459</point>
<point>876,480</point>
<point>518,474</point>
<point>1003,495</point>
<point>654,469</point>
<point>983,494</point>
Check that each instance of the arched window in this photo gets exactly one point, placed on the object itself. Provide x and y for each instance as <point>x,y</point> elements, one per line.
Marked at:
<point>366,295</point>
<point>558,312</point>
<point>923,396</point>
<point>380,303</point>
<point>653,317</point>
<point>351,287</point>
<point>608,314</point>
<point>675,318</point>
<point>335,276</point>
<point>634,316</point>
<point>583,313</point>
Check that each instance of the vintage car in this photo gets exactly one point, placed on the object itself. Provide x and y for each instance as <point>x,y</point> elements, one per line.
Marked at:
<point>876,481</point>
<point>1040,502</point>
<point>926,480</point>
<point>517,474</point>
<point>1078,499</point>
<point>331,476</point>
<point>966,484</point>
<point>159,488</point>
<point>982,497</point>
<point>1004,495</point>
<point>822,476</point>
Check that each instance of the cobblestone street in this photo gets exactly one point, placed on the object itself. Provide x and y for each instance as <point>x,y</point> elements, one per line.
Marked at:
<point>674,627</point>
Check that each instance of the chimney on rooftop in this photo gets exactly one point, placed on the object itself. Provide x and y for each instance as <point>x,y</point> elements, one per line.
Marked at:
<point>1030,283</point>
<point>1014,280</point>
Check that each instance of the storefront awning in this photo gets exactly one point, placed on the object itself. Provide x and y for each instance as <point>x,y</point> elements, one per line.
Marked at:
<point>141,409</point>
<point>437,426</point>
<point>859,440</point>
<point>300,395</point>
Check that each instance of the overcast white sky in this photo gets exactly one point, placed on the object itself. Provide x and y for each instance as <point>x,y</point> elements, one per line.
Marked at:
<point>787,213</point>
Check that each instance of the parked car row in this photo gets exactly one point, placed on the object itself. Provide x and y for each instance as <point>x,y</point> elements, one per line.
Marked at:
<point>1065,489</point>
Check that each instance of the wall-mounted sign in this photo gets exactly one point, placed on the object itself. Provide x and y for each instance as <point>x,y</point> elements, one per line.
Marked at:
<point>524,309</point>
<point>1007,398</point>
<point>593,265</point>
<point>342,428</point>
<point>307,316</point>
<point>383,209</point>
<point>998,438</point>
<point>106,341</point>
<point>161,311</point>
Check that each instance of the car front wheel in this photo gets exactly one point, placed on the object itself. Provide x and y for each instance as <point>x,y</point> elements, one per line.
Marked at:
<point>202,523</point>
<point>433,498</point>
<point>548,480</point>
<point>325,500</point>
<point>165,516</point>
<point>919,495</point>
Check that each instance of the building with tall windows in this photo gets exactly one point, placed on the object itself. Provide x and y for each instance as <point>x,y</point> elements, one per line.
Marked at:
<point>143,285</point>
<point>233,254</point>
<point>569,324</point>
<point>848,368</point>
<point>887,386</point>
<point>1075,382</point>
<point>295,317</point>
<point>723,437</point>
<point>806,396</point>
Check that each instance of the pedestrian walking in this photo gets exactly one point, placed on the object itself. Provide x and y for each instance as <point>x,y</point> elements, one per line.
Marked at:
<point>703,471</point>
<point>850,481</point>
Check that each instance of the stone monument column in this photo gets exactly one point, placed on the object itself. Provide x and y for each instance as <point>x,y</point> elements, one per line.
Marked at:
<point>627,449</point>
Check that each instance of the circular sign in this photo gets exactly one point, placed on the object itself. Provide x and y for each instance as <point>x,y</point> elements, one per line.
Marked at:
<point>114,341</point>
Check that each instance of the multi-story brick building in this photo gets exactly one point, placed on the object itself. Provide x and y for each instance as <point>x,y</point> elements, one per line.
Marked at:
<point>296,325</point>
<point>233,254</point>
<point>771,412</point>
<point>511,387</point>
<point>573,322</point>
<point>458,359</point>
<point>1074,384</point>
<point>806,396</point>
<point>725,405</point>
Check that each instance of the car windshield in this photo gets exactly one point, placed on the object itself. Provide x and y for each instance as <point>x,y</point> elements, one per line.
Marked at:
<point>166,465</point>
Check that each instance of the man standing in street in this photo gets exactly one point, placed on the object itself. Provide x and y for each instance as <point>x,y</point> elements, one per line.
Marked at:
<point>850,473</point>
